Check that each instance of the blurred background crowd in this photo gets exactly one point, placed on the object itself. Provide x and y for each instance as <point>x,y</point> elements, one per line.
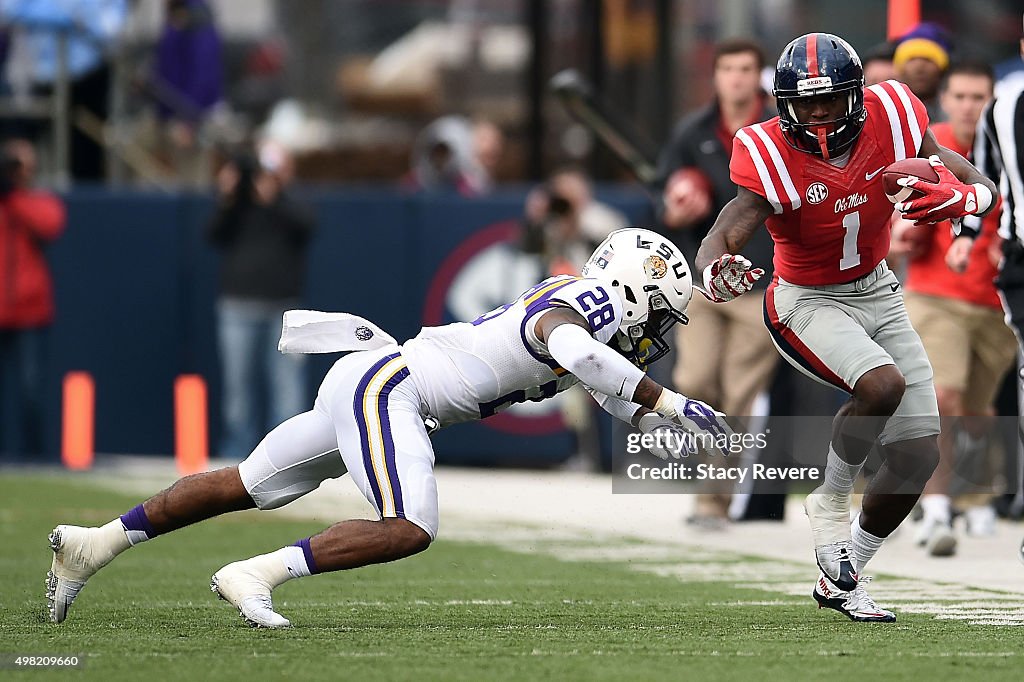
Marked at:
<point>373,90</point>
<point>245,119</point>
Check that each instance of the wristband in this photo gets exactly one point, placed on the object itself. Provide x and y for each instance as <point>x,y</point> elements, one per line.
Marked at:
<point>666,403</point>
<point>984,196</point>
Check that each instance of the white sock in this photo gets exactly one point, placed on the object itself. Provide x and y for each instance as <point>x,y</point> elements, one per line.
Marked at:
<point>865,545</point>
<point>283,565</point>
<point>936,507</point>
<point>840,475</point>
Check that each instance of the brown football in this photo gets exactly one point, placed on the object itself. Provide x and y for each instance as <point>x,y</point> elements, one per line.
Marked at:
<point>915,167</point>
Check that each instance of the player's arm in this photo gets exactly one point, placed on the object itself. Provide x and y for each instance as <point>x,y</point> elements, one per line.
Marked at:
<point>623,410</point>
<point>646,421</point>
<point>571,344</point>
<point>726,275</point>
<point>961,191</point>
<point>963,169</point>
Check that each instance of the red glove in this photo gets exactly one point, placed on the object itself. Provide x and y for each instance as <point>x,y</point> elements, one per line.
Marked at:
<point>947,199</point>
<point>728,277</point>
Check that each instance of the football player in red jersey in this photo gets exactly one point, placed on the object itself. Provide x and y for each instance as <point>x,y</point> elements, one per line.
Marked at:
<point>834,309</point>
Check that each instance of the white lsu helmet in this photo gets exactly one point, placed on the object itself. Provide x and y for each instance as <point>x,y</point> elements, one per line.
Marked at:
<point>652,279</point>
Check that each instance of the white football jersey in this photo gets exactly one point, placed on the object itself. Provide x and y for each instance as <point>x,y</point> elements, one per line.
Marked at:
<point>472,370</point>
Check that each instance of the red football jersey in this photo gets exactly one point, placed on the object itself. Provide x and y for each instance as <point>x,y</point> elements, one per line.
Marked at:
<point>831,225</point>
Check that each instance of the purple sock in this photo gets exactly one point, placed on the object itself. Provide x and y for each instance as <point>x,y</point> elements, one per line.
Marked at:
<point>137,526</point>
<point>308,553</point>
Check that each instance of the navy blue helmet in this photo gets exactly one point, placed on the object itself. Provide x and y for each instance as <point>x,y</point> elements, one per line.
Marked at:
<point>820,64</point>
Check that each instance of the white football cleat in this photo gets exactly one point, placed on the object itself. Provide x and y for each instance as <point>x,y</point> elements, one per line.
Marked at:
<point>857,605</point>
<point>78,553</point>
<point>981,521</point>
<point>936,536</point>
<point>829,514</point>
<point>242,585</point>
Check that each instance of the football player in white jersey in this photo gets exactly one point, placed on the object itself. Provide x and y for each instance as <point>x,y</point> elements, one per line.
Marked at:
<point>371,414</point>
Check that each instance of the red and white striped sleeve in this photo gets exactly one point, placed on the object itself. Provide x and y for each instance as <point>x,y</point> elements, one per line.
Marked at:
<point>758,164</point>
<point>905,114</point>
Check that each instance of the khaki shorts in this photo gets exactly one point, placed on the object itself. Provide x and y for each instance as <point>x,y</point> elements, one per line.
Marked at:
<point>725,354</point>
<point>970,347</point>
<point>836,334</point>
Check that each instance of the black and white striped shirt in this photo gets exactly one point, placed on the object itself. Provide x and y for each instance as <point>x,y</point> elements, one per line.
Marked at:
<point>999,154</point>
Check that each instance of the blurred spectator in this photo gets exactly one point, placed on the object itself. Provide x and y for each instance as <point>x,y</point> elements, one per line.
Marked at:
<point>91,27</point>
<point>920,60</point>
<point>564,223</point>
<point>488,149</point>
<point>263,237</point>
<point>262,83</point>
<point>878,65</point>
<point>188,82</point>
<point>954,306</point>
<point>726,356</point>
<point>444,158</point>
<point>28,220</point>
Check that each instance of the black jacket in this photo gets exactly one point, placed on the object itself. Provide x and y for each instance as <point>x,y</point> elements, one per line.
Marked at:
<point>695,144</point>
<point>263,248</point>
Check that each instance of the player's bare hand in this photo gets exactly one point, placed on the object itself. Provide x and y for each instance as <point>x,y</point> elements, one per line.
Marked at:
<point>959,253</point>
<point>728,277</point>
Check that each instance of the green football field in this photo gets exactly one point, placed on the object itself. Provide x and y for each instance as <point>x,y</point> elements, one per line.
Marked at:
<point>458,611</point>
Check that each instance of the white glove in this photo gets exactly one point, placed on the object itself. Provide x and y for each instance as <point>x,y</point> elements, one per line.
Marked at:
<point>671,439</point>
<point>698,418</point>
<point>728,277</point>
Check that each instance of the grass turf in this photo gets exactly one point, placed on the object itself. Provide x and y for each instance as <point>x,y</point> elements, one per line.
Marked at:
<point>458,611</point>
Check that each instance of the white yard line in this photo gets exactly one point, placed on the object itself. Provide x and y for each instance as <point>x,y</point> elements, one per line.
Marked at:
<point>575,516</point>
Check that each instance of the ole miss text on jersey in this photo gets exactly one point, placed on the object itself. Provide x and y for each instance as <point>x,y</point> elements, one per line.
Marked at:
<point>831,224</point>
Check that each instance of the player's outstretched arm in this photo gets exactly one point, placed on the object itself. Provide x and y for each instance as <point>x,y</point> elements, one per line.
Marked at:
<point>670,436</point>
<point>571,344</point>
<point>735,225</point>
<point>725,275</point>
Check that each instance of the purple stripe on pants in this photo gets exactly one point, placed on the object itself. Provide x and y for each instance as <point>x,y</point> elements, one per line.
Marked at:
<point>385,427</point>
<point>364,440</point>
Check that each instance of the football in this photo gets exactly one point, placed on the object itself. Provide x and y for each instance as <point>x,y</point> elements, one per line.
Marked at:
<point>915,167</point>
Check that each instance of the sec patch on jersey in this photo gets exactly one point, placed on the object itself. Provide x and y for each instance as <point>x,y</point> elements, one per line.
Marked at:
<point>907,168</point>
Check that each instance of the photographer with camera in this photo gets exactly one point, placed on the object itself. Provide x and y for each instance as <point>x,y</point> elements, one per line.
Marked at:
<point>564,223</point>
<point>263,238</point>
<point>29,219</point>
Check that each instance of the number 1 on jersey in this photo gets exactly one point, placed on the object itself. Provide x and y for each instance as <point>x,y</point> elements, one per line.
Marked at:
<point>851,258</point>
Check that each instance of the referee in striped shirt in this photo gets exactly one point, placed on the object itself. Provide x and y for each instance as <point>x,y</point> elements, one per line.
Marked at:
<point>999,153</point>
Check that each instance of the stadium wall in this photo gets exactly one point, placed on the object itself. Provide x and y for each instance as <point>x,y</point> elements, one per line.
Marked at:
<point>136,285</point>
